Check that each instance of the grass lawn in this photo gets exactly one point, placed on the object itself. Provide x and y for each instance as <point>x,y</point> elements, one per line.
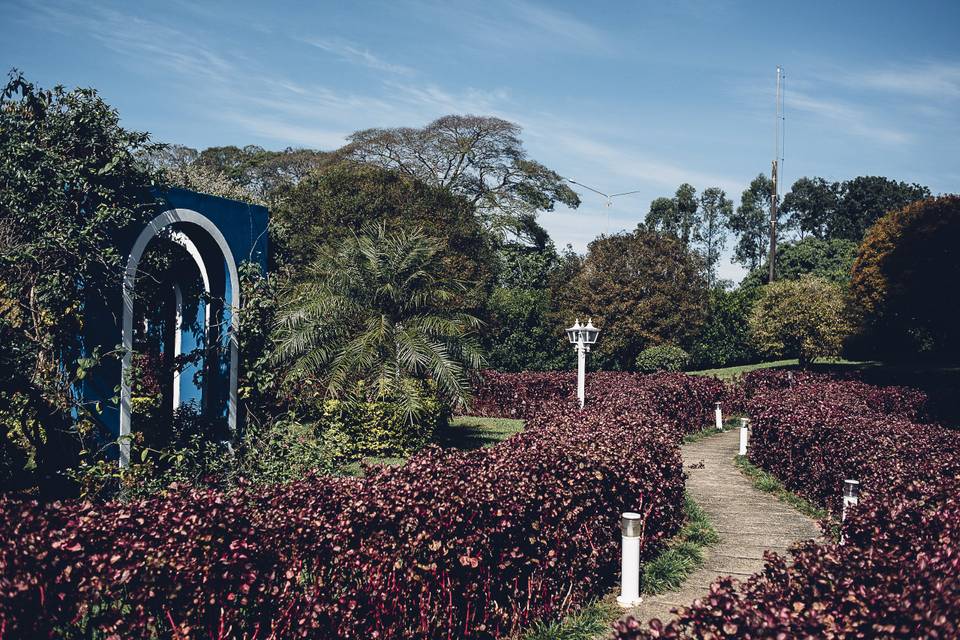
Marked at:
<point>464,432</point>
<point>823,365</point>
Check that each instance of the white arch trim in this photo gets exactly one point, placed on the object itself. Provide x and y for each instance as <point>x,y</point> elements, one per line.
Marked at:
<point>184,241</point>
<point>151,231</point>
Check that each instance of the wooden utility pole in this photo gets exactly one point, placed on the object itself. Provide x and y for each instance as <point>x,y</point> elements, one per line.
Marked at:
<point>774,197</point>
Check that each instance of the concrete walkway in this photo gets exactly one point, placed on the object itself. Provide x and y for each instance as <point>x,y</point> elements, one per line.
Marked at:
<point>748,521</point>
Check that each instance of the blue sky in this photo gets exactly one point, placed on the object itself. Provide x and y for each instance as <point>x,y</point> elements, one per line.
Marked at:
<point>620,96</point>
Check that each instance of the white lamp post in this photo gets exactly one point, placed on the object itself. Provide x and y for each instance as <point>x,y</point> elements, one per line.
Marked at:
<point>581,337</point>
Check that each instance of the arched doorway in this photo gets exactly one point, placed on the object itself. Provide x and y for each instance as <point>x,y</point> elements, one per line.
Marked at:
<point>206,244</point>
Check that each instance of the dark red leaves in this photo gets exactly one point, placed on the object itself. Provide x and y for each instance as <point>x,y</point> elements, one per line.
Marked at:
<point>453,544</point>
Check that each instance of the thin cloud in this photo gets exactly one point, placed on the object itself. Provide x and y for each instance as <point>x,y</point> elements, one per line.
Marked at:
<point>929,79</point>
<point>852,119</point>
<point>562,26</point>
<point>639,168</point>
<point>353,53</point>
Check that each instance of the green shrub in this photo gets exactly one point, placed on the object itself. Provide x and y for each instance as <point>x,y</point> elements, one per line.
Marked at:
<point>664,357</point>
<point>286,449</point>
<point>380,429</point>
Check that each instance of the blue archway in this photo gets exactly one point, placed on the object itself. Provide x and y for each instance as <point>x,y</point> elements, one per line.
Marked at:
<point>218,234</point>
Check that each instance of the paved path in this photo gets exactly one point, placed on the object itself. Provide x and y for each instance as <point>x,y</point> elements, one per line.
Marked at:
<point>748,521</point>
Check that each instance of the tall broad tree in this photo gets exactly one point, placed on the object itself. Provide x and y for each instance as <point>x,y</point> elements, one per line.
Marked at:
<point>902,281</point>
<point>715,211</point>
<point>865,199</point>
<point>480,158</point>
<point>643,289</point>
<point>750,223</point>
<point>812,205</point>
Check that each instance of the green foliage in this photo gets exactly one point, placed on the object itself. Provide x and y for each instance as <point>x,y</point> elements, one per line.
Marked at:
<point>769,483</point>
<point>374,310</point>
<point>380,429</point>
<point>664,357</point>
<point>683,555</point>
<point>332,205</point>
<point>677,216</point>
<point>70,180</point>
<point>845,210</point>
<point>286,449</point>
<point>523,329</point>
<point>829,259</point>
<point>750,223</point>
<point>802,318</point>
<point>865,199</point>
<point>588,623</point>
<point>641,289</point>
<point>481,159</point>
<point>725,337</point>
<point>902,307</point>
<point>715,211</point>
<point>811,205</point>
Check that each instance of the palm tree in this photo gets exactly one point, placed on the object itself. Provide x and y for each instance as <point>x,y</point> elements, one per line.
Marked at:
<point>372,313</point>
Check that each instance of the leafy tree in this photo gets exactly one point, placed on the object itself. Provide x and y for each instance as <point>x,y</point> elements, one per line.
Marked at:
<point>865,199</point>
<point>687,205</point>
<point>677,215</point>
<point>715,210</point>
<point>374,310</point>
<point>641,289</point>
<point>802,318</point>
<point>751,223</point>
<point>828,259</point>
<point>724,340</point>
<point>901,283</point>
<point>524,329</point>
<point>479,158</point>
<point>335,203</point>
<point>70,180</point>
<point>250,173</point>
<point>812,205</point>
<point>663,217</point>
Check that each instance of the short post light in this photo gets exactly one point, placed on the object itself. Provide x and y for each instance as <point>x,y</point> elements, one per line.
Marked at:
<point>630,526</point>
<point>744,436</point>
<point>851,496</point>
<point>581,337</point>
<point>718,414</point>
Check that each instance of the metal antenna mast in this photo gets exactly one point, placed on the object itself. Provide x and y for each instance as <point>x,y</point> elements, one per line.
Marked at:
<point>774,175</point>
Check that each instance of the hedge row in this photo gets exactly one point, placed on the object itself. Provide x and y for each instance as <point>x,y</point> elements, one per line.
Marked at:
<point>453,544</point>
<point>681,398</point>
<point>898,573</point>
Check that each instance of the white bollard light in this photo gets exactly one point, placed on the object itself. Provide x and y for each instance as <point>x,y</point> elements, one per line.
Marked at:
<point>719,415</point>
<point>630,524</point>
<point>744,435</point>
<point>851,496</point>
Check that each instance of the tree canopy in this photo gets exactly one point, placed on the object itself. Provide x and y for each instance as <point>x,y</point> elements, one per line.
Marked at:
<point>902,278</point>
<point>642,289</point>
<point>828,259</point>
<point>70,180</point>
<point>750,223</point>
<point>802,319</point>
<point>845,210</point>
<point>479,158</point>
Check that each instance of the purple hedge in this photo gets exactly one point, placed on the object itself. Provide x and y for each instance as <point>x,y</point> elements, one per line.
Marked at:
<point>898,573</point>
<point>472,544</point>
